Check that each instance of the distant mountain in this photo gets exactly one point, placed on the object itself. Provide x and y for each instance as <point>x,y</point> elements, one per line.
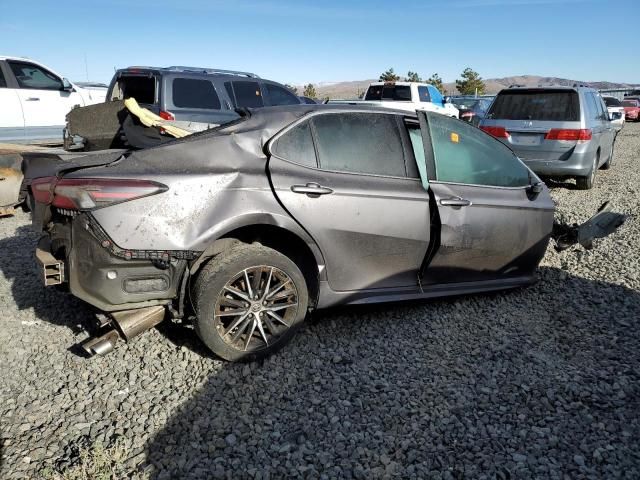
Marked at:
<point>352,89</point>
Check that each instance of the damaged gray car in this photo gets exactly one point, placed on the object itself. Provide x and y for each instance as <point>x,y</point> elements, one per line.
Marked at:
<point>246,228</point>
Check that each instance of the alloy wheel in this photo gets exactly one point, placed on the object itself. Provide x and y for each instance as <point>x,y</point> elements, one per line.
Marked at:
<point>255,308</point>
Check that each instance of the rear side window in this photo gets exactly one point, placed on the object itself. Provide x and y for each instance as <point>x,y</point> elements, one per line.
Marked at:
<point>360,143</point>
<point>3,82</point>
<point>195,93</point>
<point>34,77</point>
<point>464,154</point>
<point>248,94</point>
<point>280,96</point>
<point>142,88</point>
<point>296,145</point>
<point>545,105</point>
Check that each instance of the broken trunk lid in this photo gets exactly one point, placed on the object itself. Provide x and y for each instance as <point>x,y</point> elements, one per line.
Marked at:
<point>601,225</point>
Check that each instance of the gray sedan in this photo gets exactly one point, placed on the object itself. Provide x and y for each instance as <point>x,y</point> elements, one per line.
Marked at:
<point>245,228</point>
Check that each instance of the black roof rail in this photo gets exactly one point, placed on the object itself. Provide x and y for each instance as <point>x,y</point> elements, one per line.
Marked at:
<point>180,68</point>
<point>516,85</point>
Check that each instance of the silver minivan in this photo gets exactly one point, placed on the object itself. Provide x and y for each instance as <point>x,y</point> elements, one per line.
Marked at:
<point>556,131</point>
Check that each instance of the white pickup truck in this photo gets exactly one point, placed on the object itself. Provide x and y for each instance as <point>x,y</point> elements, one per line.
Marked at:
<point>34,100</point>
<point>409,96</point>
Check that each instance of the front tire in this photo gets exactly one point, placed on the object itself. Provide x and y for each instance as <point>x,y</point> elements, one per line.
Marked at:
<point>249,301</point>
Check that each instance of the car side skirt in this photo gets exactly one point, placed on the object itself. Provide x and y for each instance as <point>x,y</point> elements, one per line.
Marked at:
<point>330,298</point>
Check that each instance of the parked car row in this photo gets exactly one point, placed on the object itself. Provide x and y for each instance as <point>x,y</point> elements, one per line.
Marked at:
<point>472,109</point>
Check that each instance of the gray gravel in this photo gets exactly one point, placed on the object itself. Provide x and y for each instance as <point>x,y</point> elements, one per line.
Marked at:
<point>541,382</point>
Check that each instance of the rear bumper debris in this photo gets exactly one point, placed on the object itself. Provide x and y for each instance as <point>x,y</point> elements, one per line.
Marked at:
<point>601,225</point>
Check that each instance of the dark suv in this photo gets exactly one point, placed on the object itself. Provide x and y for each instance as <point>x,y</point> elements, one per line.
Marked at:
<point>194,94</point>
<point>195,98</point>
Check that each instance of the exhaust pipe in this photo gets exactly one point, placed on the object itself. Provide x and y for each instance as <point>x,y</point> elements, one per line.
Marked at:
<point>126,324</point>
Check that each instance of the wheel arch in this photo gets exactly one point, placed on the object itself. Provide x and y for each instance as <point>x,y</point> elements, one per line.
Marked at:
<point>293,244</point>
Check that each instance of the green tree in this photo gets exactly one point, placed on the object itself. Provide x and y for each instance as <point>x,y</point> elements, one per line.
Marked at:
<point>436,81</point>
<point>470,83</point>
<point>413,77</point>
<point>292,88</point>
<point>389,76</point>
<point>310,91</point>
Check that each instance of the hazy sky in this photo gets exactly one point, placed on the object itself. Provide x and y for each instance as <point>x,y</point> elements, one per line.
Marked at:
<point>302,41</point>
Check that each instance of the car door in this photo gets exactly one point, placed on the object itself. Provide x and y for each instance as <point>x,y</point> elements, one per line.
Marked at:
<point>355,197</point>
<point>608,131</point>
<point>492,224</point>
<point>44,101</point>
<point>11,118</point>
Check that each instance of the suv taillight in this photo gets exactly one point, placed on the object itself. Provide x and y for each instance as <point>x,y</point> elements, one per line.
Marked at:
<point>90,193</point>
<point>167,115</point>
<point>498,132</point>
<point>573,135</point>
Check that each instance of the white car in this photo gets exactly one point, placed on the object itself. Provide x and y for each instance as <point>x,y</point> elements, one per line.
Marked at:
<point>410,96</point>
<point>34,100</point>
<point>616,112</point>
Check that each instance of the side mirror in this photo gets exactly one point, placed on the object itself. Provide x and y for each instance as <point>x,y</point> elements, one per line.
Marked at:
<point>66,85</point>
<point>447,99</point>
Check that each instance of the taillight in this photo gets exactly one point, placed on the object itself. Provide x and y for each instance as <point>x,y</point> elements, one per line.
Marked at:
<point>89,193</point>
<point>498,132</point>
<point>167,115</point>
<point>42,189</point>
<point>573,135</point>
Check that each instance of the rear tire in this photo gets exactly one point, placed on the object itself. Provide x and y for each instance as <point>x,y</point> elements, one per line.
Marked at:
<point>249,301</point>
<point>586,183</point>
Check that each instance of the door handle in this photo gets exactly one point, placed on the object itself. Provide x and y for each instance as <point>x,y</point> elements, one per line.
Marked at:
<point>33,99</point>
<point>311,189</point>
<point>455,202</point>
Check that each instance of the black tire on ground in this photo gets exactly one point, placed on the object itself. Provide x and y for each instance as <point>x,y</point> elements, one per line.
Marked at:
<point>243,279</point>
<point>586,183</point>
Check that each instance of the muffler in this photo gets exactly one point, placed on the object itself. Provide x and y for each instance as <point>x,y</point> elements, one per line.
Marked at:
<point>126,324</point>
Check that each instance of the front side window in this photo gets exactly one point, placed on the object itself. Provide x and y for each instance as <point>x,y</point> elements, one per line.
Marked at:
<point>34,77</point>
<point>360,143</point>
<point>296,146</point>
<point>195,93</point>
<point>280,96</point>
<point>248,94</point>
<point>612,102</point>
<point>544,105</point>
<point>465,154</point>
<point>3,82</point>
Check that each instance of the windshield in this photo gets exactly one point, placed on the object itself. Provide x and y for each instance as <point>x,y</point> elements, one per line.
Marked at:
<point>611,101</point>
<point>398,93</point>
<point>630,103</point>
<point>544,105</point>
<point>465,102</point>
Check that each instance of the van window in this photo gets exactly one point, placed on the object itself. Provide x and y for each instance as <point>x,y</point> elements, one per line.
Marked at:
<point>195,93</point>
<point>389,92</point>
<point>3,82</point>
<point>142,88</point>
<point>464,154</point>
<point>248,94</point>
<point>544,105</point>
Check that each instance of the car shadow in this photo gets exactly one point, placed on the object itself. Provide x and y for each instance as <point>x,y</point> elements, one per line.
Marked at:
<point>560,183</point>
<point>491,385</point>
<point>50,304</point>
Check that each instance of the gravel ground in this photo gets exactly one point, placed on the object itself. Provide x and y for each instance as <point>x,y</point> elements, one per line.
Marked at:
<point>541,382</point>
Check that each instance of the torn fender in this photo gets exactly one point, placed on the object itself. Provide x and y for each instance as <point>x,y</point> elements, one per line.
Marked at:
<point>601,225</point>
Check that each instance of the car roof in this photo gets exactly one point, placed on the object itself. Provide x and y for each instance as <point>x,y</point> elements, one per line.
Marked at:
<point>516,88</point>
<point>178,69</point>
